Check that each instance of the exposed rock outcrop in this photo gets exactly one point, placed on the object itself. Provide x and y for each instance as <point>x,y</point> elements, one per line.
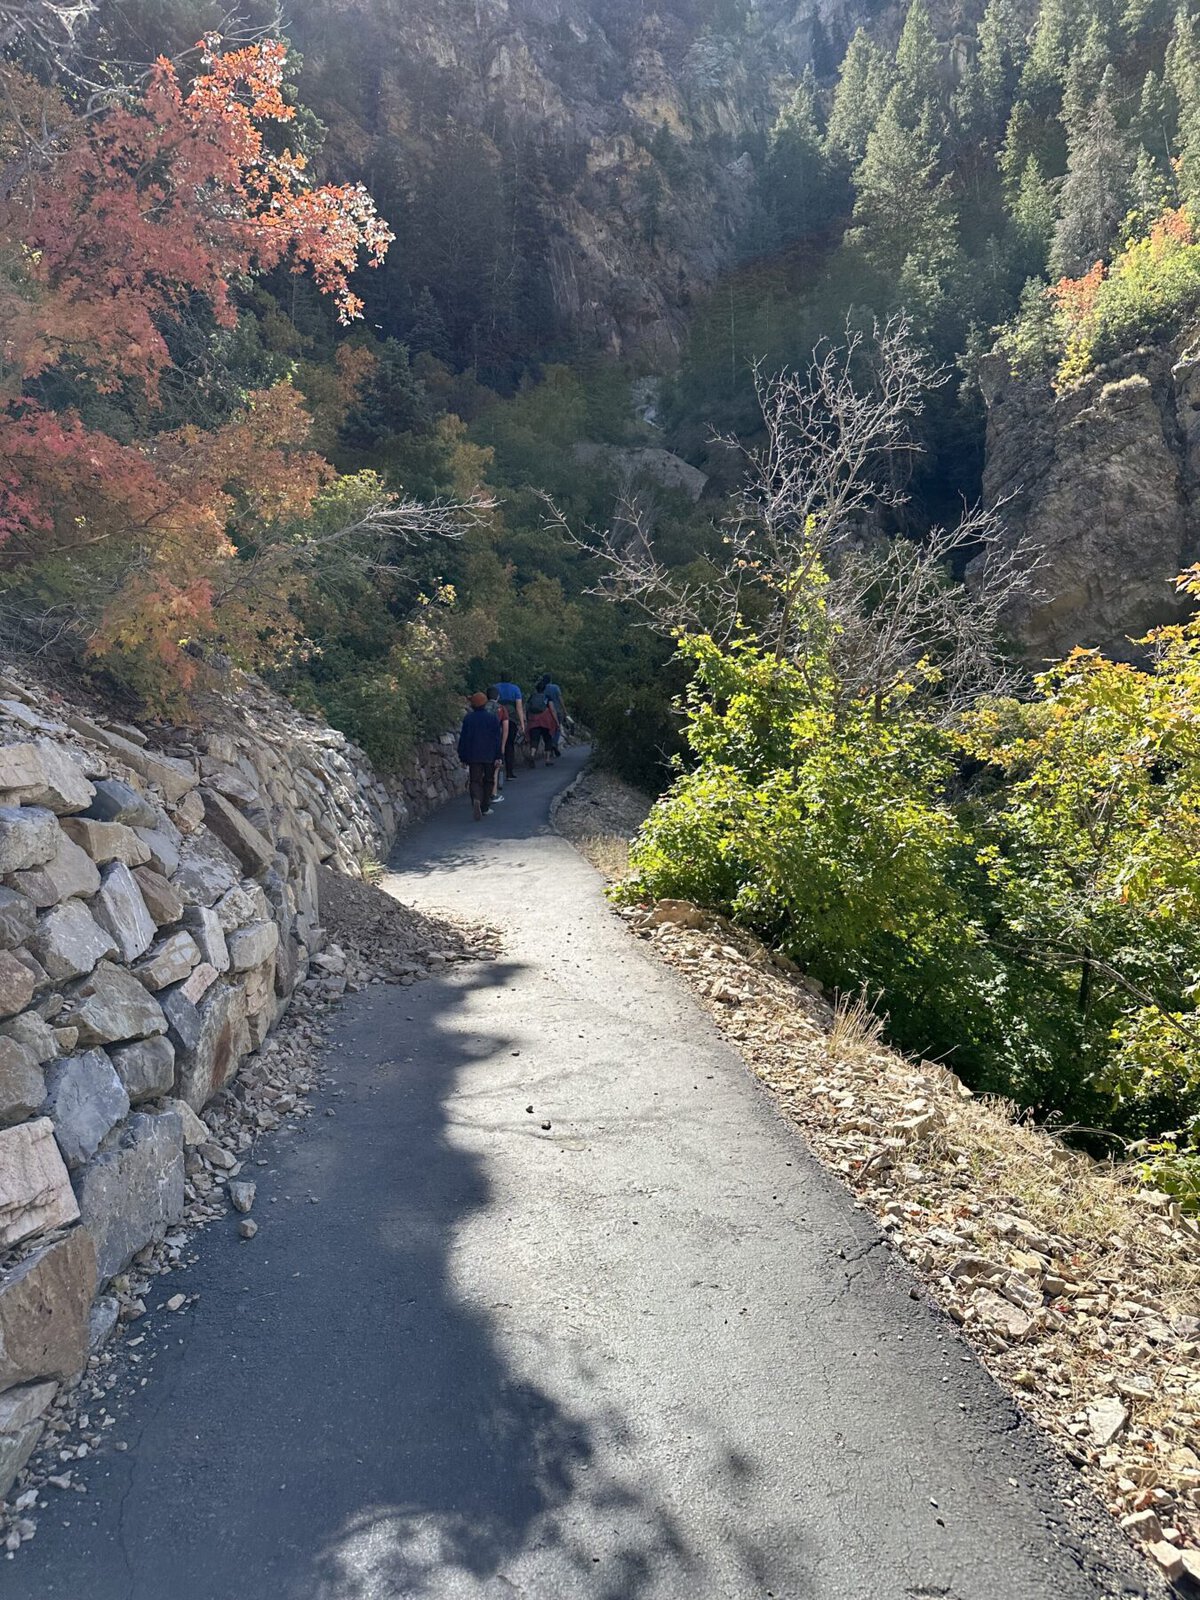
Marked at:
<point>631,133</point>
<point>158,907</point>
<point>1102,485</point>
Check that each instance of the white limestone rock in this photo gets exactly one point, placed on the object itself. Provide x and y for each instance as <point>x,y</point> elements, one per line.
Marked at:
<point>69,941</point>
<point>119,907</point>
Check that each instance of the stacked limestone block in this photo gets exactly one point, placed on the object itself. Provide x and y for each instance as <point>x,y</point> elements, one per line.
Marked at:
<point>157,909</point>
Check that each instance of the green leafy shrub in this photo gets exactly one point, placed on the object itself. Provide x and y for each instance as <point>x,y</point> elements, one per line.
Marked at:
<point>1039,927</point>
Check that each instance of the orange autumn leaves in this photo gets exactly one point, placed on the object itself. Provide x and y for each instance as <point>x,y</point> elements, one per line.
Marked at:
<point>1152,280</point>
<point>129,220</point>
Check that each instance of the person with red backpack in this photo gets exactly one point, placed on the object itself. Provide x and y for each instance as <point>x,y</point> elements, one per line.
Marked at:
<point>542,726</point>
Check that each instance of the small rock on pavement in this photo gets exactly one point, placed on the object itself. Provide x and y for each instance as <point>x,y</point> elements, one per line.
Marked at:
<point>242,1195</point>
<point>177,1302</point>
<point>247,1228</point>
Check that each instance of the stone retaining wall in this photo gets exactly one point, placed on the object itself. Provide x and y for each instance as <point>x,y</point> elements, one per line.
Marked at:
<point>158,907</point>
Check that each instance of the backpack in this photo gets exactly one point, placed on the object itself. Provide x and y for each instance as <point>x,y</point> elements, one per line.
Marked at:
<point>537,702</point>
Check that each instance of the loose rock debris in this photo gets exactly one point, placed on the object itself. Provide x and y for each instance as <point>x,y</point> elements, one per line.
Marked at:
<point>372,939</point>
<point>1079,1289</point>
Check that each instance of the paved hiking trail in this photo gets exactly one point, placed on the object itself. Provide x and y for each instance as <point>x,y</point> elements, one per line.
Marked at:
<point>650,1353</point>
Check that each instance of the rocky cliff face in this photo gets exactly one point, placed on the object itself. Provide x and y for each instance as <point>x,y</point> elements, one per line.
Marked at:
<point>1103,486</point>
<point>159,907</point>
<point>634,125</point>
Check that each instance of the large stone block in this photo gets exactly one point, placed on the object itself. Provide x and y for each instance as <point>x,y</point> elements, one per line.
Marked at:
<point>202,879</point>
<point>146,1067</point>
<point>22,1423</point>
<point>28,836</point>
<point>262,1003</point>
<point>170,961</point>
<point>198,982</point>
<point>44,1305</point>
<point>15,1450</point>
<point>22,1087</point>
<point>250,947</point>
<point>173,778</point>
<point>112,1006</point>
<point>183,1017</point>
<point>16,984</point>
<point>235,909</point>
<point>35,1033</point>
<point>69,871</point>
<point>107,841</point>
<point>131,1194</point>
<point>18,918</point>
<point>20,1407</point>
<point>237,833</point>
<point>115,801</point>
<point>204,925</point>
<point>163,847</point>
<point>119,907</point>
<point>42,773</point>
<point>35,1192</point>
<point>208,1065</point>
<point>85,1099</point>
<point>162,902</point>
<point>69,941</point>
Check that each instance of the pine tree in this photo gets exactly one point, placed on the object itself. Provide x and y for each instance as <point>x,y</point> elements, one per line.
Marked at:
<point>1153,186</point>
<point>1144,20</point>
<point>428,331</point>
<point>1029,134</point>
<point>988,85</point>
<point>918,66</point>
<point>799,189</point>
<point>1086,67</point>
<point>1031,223</point>
<point>858,101</point>
<point>1045,67</point>
<point>1097,191</point>
<point>1151,124</point>
<point>1182,79</point>
<point>1181,68</point>
<point>902,209</point>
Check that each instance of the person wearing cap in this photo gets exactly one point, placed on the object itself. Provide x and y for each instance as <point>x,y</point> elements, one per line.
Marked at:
<point>480,742</point>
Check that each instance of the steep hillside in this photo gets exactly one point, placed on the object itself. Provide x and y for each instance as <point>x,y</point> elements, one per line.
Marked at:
<point>592,163</point>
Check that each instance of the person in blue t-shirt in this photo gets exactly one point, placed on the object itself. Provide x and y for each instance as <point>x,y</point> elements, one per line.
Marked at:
<point>510,697</point>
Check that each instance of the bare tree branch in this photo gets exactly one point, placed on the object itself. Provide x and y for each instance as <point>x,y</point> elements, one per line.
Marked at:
<point>807,570</point>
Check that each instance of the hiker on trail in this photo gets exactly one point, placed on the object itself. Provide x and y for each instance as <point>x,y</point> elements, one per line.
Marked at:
<point>479,744</point>
<point>553,693</point>
<point>542,725</point>
<point>507,729</point>
<point>511,698</point>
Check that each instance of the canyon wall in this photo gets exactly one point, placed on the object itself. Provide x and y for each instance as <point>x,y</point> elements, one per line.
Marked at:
<point>1102,486</point>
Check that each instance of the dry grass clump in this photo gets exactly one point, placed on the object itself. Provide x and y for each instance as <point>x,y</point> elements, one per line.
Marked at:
<point>600,815</point>
<point>607,853</point>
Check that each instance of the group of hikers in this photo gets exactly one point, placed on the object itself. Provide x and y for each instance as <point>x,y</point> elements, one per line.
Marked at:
<point>497,724</point>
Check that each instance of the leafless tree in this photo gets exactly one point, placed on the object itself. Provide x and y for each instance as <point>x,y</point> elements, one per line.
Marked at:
<point>806,569</point>
<point>48,29</point>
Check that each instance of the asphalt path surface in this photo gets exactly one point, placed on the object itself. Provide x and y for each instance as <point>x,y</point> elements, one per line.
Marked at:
<point>648,1352</point>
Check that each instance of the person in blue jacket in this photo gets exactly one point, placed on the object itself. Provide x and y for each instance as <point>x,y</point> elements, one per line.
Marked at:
<point>479,747</point>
